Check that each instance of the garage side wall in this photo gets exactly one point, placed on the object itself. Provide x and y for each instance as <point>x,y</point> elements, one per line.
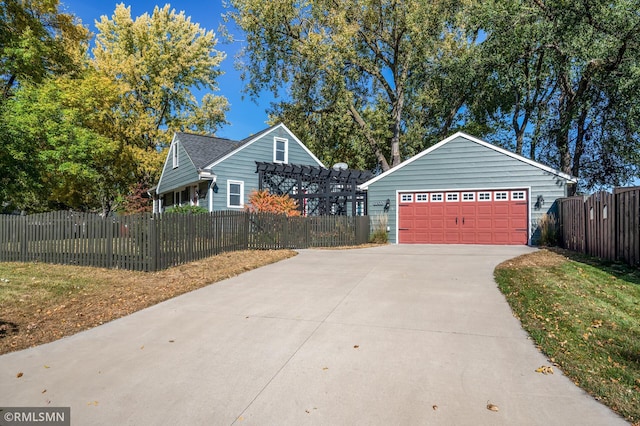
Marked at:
<point>462,164</point>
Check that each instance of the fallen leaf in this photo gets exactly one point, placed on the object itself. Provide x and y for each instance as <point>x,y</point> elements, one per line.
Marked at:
<point>492,407</point>
<point>19,375</point>
<point>46,366</point>
<point>44,391</point>
<point>544,370</point>
<point>435,407</point>
<point>94,403</point>
<point>171,341</point>
<point>356,346</point>
<point>142,347</point>
<point>325,368</point>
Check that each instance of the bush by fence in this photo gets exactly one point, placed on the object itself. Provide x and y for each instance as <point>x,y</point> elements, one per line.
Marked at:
<point>605,225</point>
<point>153,242</point>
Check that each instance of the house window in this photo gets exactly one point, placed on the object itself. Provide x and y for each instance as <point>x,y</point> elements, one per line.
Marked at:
<point>184,197</point>
<point>167,199</point>
<point>280,150</point>
<point>501,196</point>
<point>517,195</point>
<point>175,155</point>
<point>406,198</point>
<point>235,189</point>
<point>484,196</point>
<point>468,196</point>
<point>422,198</point>
<point>437,197</point>
<point>453,196</point>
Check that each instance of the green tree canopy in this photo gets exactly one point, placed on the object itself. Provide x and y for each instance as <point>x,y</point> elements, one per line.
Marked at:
<point>82,132</point>
<point>159,60</point>
<point>37,40</point>
<point>562,72</point>
<point>356,58</point>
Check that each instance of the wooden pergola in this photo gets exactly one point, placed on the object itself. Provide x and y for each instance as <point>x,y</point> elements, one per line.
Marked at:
<point>319,191</point>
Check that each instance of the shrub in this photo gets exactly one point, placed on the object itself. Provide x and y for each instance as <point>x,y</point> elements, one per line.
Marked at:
<point>265,202</point>
<point>186,210</point>
<point>379,235</point>
<point>547,225</point>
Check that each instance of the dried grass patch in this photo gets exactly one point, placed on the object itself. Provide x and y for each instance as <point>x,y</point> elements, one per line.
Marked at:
<point>42,303</point>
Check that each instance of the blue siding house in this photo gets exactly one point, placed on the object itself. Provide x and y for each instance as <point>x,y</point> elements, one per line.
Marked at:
<point>465,190</point>
<point>219,174</point>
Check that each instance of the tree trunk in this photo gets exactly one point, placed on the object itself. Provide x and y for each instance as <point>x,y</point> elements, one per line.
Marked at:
<point>370,139</point>
<point>579,150</point>
<point>397,123</point>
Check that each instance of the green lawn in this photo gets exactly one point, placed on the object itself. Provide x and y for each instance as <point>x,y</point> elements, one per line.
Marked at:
<point>584,314</point>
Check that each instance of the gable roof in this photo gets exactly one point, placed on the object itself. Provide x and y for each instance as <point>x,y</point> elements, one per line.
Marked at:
<point>475,140</point>
<point>251,139</point>
<point>202,149</point>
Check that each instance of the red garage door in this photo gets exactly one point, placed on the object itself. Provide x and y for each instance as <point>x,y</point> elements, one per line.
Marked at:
<point>463,217</point>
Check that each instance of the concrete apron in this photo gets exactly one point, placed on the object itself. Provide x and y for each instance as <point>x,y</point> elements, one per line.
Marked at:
<point>385,335</point>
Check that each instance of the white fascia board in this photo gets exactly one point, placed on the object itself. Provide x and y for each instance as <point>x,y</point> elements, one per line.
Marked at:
<point>478,141</point>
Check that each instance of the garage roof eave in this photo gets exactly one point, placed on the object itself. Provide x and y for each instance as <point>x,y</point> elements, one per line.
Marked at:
<point>548,169</point>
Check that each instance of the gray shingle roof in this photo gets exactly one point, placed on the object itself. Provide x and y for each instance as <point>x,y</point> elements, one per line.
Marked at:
<point>204,150</point>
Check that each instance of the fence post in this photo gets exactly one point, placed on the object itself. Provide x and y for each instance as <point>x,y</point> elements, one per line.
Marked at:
<point>23,240</point>
<point>152,263</point>
<point>108,237</point>
<point>246,231</point>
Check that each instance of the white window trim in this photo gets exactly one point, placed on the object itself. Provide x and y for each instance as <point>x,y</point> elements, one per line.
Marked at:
<point>515,195</point>
<point>434,196</point>
<point>286,150</point>
<point>455,196</point>
<point>174,155</point>
<point>409,198</point>
<point>425,195</point>
<point>235,182</point>
<point>495,196</point>
<point>485,193</point>
<point>468,200</point>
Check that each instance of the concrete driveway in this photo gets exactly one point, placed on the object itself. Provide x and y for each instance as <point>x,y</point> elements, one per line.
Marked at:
<point>388,335</point>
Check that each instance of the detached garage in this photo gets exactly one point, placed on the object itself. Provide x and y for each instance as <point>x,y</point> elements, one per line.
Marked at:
<point>465,191</point>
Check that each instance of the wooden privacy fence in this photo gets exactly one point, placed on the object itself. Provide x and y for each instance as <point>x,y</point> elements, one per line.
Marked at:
<point>148,242</point>
<point>606,225</point>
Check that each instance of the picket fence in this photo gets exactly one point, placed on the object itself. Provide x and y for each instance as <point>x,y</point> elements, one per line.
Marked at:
<point>147,242</point>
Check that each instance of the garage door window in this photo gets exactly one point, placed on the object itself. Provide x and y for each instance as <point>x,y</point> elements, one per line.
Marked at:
<point>484,196</point>
<point>406,198</point>
<point>422,198</point>
<point>468,196</point>
<point>436,198</point>
<point>502,196</point>
<point>517,195</point>
<point>453,196</point>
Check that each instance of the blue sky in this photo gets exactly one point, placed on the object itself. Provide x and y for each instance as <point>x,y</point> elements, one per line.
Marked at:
<point>245,116</point>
